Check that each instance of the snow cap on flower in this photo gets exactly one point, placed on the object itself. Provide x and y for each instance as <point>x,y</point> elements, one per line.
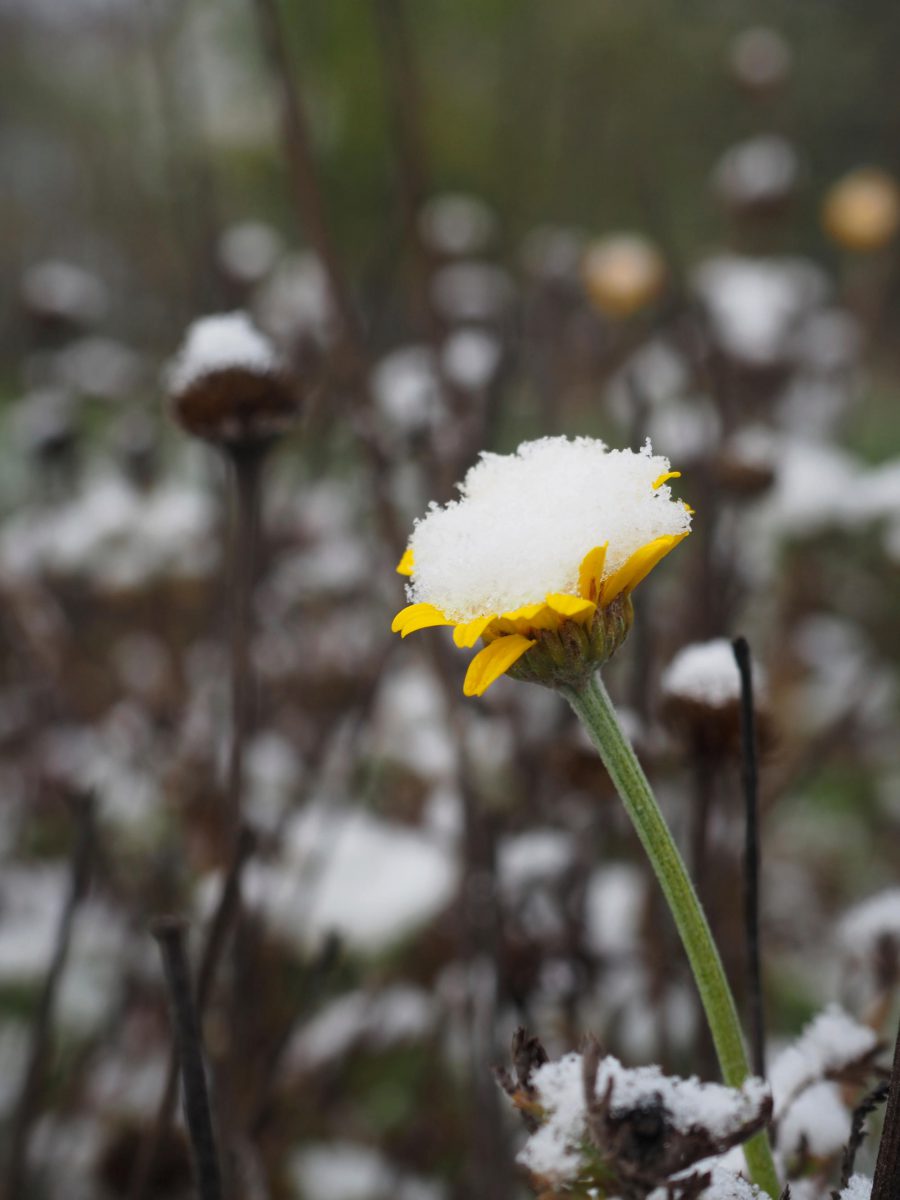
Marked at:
<point>227,383</point>
<point>707,673</point>
<point>525,521</point>
<point>539,556</point>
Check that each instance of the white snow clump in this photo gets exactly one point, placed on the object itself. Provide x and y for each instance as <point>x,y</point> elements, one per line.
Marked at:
<point>859,1188</point>
<point>225,342</point>
<point>525,521</point>
<point>554,1151</point>
<point>831,1041</point>
<point>868,923</point>
<point>707,673</point>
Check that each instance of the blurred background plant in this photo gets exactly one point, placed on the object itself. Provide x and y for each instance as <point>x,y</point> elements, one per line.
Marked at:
<point>458,226</point>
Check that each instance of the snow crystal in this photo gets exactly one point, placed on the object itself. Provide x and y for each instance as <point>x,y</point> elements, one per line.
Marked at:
<point>553,1151</point>
<point>859,1188</point>
<point>707,673</point>
<point>526,520</point>
<point>224,342</point>
<point>830,1042</point>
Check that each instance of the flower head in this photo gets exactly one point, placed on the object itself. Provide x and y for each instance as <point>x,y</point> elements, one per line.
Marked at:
<point>228,385</point>
<point>539,556</point>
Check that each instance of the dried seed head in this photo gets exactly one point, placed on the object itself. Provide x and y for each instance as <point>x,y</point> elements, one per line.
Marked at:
<point>701,699</point>
<point>228,385</point>
<point>757,177</point>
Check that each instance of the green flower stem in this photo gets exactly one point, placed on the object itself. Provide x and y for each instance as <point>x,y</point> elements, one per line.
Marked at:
<point>594,709</point>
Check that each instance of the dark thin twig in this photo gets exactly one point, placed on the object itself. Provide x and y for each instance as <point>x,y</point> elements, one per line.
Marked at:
<point>170,933</point>
<point>887,1165</point>
<point>864,1109</point>
<point>212,953</point>
<point>246,464</point>
<point>41,1030</point>
<point>750,778</point>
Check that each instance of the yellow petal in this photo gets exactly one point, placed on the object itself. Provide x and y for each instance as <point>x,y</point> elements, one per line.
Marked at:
<point>590,572</point>
<point>418,616</point>
<point>667,475</point>
<point>639,566</point>
<point>467,634</point>
<point>493,661</point>
<point>405,565</point>
<point>572,608</point>
<point>526,619</point>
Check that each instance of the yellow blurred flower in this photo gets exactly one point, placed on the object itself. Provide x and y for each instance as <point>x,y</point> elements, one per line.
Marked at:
<point>861,211</point>
<point>623,273</point>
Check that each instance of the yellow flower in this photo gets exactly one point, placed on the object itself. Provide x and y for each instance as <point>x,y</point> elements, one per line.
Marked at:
<point>564,634</point>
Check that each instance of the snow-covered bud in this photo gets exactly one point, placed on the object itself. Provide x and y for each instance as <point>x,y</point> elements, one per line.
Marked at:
<point>701,690</point>
<point>228,385</point>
